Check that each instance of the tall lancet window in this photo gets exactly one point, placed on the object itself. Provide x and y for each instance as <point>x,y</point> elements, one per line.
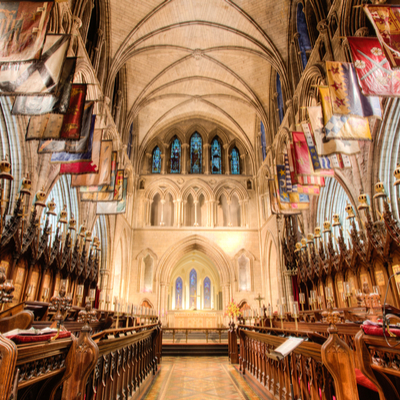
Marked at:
<point>207,293</point>
<point>263,142</point>
<point>193,288</point>
<point>156,168</point>
<point>235,161</point>
<point>196,153</point>
<point>178,293</point>
<point>216,163</point>
<point>176,156</point>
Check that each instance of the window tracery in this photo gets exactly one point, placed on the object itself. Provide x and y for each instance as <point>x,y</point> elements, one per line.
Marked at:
<point>235,161</point>
<point>156,166</point>
<point>216,161</point>
<point>207,292</point>
<point>176,152</point>
<point>178,293</point>
<point>193,288</point>
<point>196,153</point>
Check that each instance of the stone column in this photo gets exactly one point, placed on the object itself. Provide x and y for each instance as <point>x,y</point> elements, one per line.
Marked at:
<point>242,214</point>
<point>97,50</point>
<point>149,203</point>
<point>211,213</point>
<point>183,212</point>
<point>243,169</point>
<point>185,148</point>
<point>162,223</point>
<point>229,212</point>
<point>196,202</point>
<point>163,164</point>
<point>147,166</point>
<point>163,300</point>
<point>207,158</point>
<point>226,157</point>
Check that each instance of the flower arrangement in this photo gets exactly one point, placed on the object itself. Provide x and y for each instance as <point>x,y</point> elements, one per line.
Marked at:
<point>232,310</point>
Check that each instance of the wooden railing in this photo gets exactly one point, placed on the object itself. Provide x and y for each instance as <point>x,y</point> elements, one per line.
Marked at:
<point>379,361</point>
<point>110,365</point>
<point>316,371</point>
<point>186,331</point>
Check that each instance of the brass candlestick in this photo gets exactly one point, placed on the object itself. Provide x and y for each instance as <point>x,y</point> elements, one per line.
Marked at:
<point>295,313</point>
<point>61,303</point>
<point>281,314</point>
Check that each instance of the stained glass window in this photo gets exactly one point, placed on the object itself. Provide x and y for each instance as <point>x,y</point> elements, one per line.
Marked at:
<point>263,141</point>
<point>193,288</point>
<point>176,156</point>
<point>235,162</point>
<point>216,163</point>
<point>279,98</point>
<point>178,293</point>
<point>196,152</point>
<point>302,30</point>
<point>156,169</point>
<point>207,293</point>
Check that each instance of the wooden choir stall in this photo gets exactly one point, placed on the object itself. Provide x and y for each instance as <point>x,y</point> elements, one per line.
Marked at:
<point>53,343</point>
<point>345,307</point>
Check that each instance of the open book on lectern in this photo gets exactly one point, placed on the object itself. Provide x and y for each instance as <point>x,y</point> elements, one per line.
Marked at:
<point>285,348</point>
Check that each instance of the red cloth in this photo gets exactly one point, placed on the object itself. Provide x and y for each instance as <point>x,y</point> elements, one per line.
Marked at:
<point>377,330</point>
<point>364,381</point>
<point>21,339</point>
<point>295,287</point>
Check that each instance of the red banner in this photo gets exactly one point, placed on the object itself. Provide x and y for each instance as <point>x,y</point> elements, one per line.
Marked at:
<point>374,72</point>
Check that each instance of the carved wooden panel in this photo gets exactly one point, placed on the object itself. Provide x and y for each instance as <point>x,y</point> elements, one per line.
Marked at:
<point>34,281</point>
<point>19,277</point>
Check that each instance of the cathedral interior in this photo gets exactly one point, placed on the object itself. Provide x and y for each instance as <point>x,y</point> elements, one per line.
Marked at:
<point>199,199</point>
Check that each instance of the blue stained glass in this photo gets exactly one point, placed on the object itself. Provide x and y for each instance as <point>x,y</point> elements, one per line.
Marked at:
<point>176,156</point>
<point>207,293</point>
<point>302,30</point>
<point>193,288</point>
<point>280,97</point>
<point>216,164</point>
<point>263,142</point>
<point>235,162</point>
<point>156,169</point>
<point>196,152</point>
<point>178,293</point>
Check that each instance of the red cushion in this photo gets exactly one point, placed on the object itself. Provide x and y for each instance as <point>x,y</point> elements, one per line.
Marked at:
<point>20,339</point>
<point>364,381</point>
<point>378,331</point>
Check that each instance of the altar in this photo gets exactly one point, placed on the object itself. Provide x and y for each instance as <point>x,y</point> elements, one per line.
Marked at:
<point>195,319</point>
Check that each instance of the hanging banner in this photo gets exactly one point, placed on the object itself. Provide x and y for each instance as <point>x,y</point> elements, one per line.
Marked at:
<point>386,22</point>
<point>23,26</point>
<point>112,208</point>
<point>375,75</point>
<point>327,147</point>
<point>71,146</point>
<point>103,177</point>
<point>346,96</point>
<point>58,126</point>
<point>76,182</point>
<point>38,76</point>
<point>57,102</point>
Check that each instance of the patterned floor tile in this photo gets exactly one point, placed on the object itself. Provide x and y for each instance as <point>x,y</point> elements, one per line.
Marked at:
<point>202,378</point>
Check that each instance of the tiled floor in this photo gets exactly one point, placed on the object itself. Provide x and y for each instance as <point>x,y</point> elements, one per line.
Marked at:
<point>199,378</point>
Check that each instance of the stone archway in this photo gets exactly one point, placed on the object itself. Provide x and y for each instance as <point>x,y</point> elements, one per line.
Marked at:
<point>193,243</point>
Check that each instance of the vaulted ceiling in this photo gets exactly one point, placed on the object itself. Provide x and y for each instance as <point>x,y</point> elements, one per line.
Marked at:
<point>207,59</point>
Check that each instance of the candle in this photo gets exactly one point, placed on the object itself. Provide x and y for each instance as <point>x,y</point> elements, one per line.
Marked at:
<point>92,294</point>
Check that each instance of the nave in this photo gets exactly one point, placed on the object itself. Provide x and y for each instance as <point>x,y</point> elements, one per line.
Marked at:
<point>199,378</point>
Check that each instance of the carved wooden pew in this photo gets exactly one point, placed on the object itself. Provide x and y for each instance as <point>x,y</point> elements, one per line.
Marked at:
<point>127,358</point>
<point>317,371</point>
<point>380,363</point>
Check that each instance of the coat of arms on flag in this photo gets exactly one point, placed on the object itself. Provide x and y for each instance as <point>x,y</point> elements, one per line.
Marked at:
<point>346,96</point>
<point>386,22</point>
<point>23,26</point>
<point>374,72</point>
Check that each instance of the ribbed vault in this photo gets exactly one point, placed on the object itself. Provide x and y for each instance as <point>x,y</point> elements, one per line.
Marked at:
<point>198,58</point>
